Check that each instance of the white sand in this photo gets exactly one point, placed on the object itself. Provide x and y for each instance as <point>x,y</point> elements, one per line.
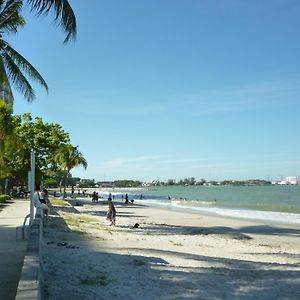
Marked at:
<point>172,255</point>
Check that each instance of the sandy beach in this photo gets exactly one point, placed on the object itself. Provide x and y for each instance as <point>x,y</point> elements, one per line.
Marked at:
<point>171,255</point>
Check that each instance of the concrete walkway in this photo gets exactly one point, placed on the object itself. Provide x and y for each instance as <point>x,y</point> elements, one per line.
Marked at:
<point>12,247</point>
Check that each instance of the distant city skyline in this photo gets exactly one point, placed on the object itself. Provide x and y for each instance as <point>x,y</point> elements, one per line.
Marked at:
<point>173,89</point>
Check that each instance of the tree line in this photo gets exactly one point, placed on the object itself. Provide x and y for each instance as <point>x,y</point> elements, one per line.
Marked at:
<point>55,156</point>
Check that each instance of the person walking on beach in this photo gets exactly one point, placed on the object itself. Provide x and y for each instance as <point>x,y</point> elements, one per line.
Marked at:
<point>111,214</point>
<point>126,199</point>
<point>94,197</point>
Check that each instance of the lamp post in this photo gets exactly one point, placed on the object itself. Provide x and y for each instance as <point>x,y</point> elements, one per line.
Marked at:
<point>32,183</point>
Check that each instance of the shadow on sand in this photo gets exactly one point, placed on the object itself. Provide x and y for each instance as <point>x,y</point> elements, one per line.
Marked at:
<point>142,274</point>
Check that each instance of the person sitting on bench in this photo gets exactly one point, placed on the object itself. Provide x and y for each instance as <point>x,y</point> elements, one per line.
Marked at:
<point>40,202</point>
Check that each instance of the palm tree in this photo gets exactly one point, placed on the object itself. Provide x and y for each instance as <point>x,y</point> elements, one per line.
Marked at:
<point>69,157</point>
<point>13,66</point>
<point>63,11</point>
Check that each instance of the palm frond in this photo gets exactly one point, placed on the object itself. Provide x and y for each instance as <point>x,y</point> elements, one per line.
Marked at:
<point>17,78</point>
<point>69,157</point>
<point>5,88</point>
<point>10,18</point>
<point>24,64</point>
<point>63,11</point>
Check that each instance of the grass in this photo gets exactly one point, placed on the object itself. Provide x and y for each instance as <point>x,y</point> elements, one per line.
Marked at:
<point>99,280</point>
<point>59,202</point>
<point>77,221</point>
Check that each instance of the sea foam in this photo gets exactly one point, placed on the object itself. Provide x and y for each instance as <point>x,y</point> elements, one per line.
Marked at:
<point>267,216</point>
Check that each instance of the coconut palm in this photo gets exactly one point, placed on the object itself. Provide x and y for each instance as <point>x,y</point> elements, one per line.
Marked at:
<point>63,11</point>
<point>14,68</point>
<point>69,157</point>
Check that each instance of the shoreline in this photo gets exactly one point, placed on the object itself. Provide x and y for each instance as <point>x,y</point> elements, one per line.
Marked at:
<point>282,209</point>
<point>171,255</point>
<point>249,215</point>
<point>213,213</point>
<point>263,216</point>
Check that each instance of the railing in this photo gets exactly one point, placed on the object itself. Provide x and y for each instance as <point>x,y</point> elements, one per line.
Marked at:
<point>23,227</point>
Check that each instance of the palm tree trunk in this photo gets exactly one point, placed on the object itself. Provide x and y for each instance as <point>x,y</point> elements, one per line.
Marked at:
<point>61,184</point>
<point>1,184</point>
<point>65,181</point>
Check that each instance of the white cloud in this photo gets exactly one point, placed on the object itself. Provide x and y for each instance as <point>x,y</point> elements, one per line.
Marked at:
<point>159,163</point>
<point>242,98</point>
<point>120,162</point>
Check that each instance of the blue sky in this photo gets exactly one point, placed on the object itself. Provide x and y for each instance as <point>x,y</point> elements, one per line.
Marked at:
<point>173,88</point>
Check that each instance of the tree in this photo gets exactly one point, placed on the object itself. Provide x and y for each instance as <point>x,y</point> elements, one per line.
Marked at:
<point>8,140</point>
<point>127,183</point>
<point>15,70</point>
<point>73,181</point>
<point>69,157</point>
<point>170,182</point>
<point>6,121</point>
<point>87,183</point>
<point>63,11</point>
<point>44,138</point>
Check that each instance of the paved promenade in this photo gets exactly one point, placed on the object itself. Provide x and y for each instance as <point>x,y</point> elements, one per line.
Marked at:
<point>12,249</point>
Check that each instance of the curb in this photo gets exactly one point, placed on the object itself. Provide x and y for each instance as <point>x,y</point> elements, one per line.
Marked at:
<point>31,279</point>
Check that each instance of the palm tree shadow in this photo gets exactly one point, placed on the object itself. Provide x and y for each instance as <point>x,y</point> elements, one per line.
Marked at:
<point>151,274</point>
<point>241,233</point>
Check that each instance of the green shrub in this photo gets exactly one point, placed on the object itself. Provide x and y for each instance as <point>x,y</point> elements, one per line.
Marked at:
<point>50,183</point>
<point>4,198</point>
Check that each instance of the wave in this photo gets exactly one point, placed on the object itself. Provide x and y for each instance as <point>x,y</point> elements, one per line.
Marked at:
<point>192,202</point>
<point>211,207</point>
<point>258,215</point>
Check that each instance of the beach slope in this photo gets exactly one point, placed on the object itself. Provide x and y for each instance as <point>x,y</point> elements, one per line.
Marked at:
<point>171,255</point>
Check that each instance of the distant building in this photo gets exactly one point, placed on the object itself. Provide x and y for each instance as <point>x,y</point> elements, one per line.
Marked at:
<point>282,182</point>
<point>292,180</point>
<point>105,184</point>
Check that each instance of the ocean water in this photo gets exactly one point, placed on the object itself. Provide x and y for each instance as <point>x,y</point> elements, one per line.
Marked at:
<point>279,204</point>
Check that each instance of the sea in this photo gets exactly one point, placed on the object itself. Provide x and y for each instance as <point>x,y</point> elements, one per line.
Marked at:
<point>270,203</point>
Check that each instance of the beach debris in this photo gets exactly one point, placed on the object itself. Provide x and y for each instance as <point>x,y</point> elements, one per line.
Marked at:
<point>50,243</point>
<point>62,244</point>
<point>242,237</point>
<point>65,244</point>
<point>71,246</point>
<point>136,225</point>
